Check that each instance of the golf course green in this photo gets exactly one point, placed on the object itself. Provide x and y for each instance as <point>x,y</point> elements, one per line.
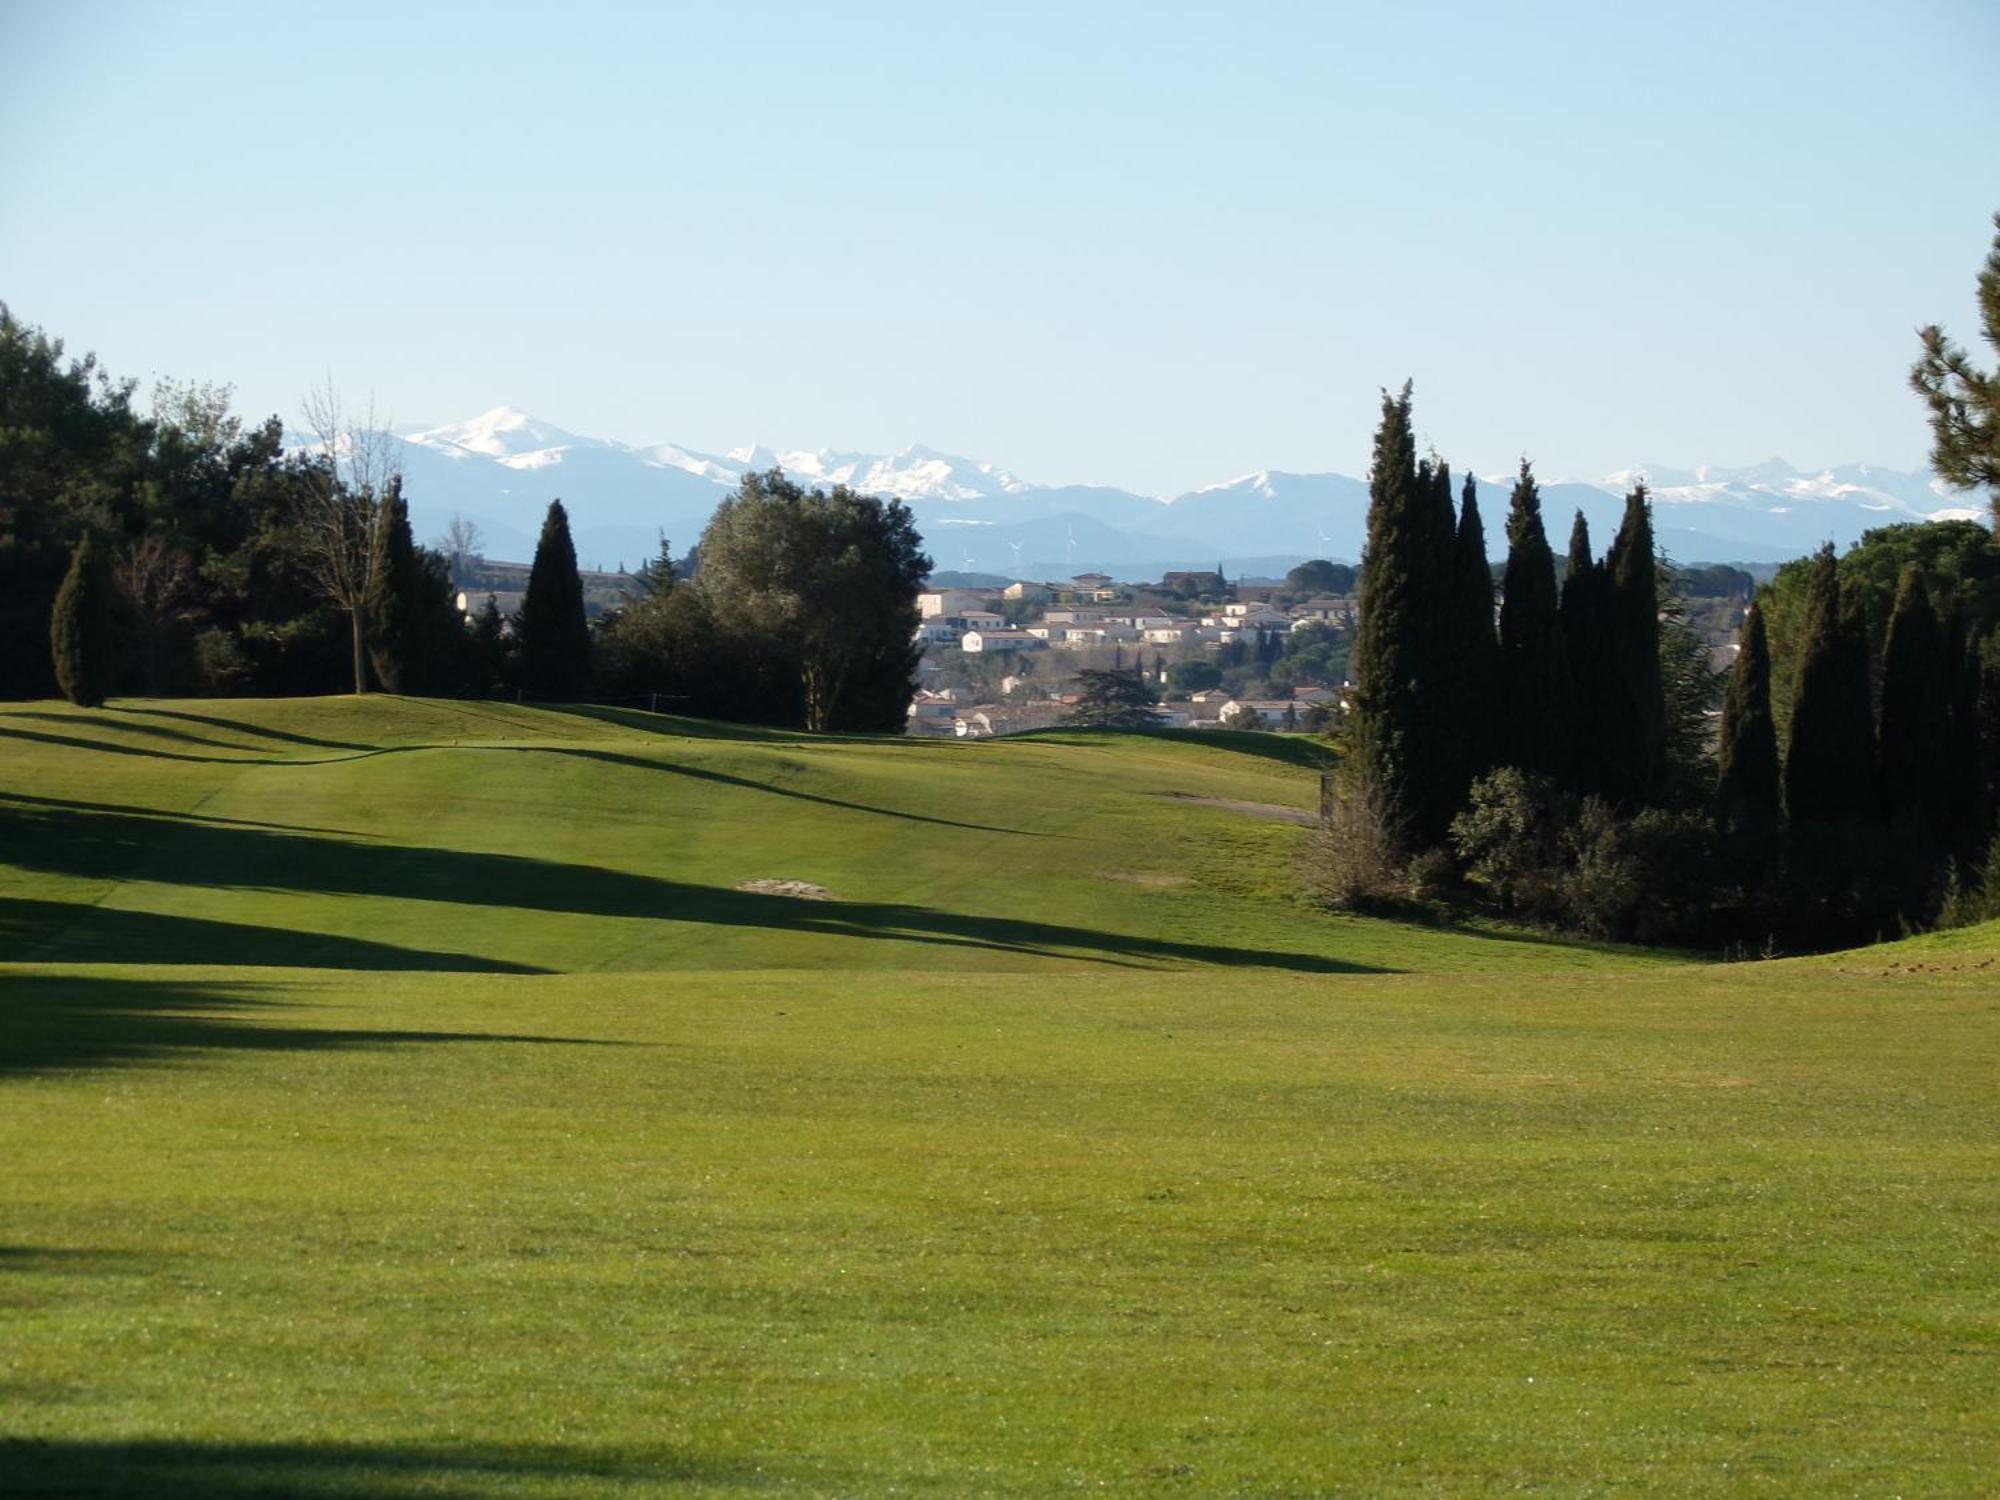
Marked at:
<point>404,1097</point>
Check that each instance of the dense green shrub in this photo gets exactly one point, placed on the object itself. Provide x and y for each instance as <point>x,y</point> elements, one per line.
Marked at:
<point>80,627</point>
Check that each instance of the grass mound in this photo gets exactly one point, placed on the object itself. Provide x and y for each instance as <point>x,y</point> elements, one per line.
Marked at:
<point>400,833</point>
<point>402,1098</point>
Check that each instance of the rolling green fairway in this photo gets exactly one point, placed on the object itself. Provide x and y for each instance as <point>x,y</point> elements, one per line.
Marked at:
<point>405,834</point>
<point>400,1098</point>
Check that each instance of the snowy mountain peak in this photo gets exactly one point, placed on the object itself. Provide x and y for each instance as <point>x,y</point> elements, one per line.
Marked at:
<point>1258,483</point>
<point>501,468</point>
<point>754,456</point>
<point>1770,471</point>
<point>504,433</point>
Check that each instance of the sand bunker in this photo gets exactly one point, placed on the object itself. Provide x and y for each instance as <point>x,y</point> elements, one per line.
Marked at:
<point>803,890</point>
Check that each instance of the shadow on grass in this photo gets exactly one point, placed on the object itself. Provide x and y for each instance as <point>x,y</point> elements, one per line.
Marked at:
<point>71,932</point>
<point>175,814</point>
<point>680,727</point>
<point>723,778</point>
<point>1291,749</point>
<point>181,1469</point>
<point>66,1261</point>
<point>609,757</point>
<point>153,752</point>
<point>109,846</point>
<point>575,753</point>
<point>239,726</point>
<point>115,720</point>
<point>59,1022</point>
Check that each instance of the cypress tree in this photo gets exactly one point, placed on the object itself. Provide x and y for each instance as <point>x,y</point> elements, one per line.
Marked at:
<point>395,647</point>
<point>553,634</point>
<point>80,628</point>
<point>1830,762</point>
<point>1631,720</point>
<point>1388,658</point>
<point>1748,785</point>
<point>489,666</point>
<point>1914,740</point>
<point>1440,526</point>
<point>1477,648</point>
<point>1534,658</point>
<point>1583,639</point>
<point>1983,746</point>
<point>1968,792</point>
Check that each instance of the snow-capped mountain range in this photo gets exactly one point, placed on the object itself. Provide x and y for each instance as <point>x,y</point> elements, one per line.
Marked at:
<point>501,469</point>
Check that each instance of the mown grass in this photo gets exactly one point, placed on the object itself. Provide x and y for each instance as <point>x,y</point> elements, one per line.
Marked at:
<point>411,834</point>
<point>1003,1215</point>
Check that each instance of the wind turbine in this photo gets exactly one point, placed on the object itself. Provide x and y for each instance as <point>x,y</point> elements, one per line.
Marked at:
<point>1069,549</point>
<point>1017,557</point>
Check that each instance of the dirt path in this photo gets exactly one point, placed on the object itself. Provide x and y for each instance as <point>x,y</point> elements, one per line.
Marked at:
<point>1271,811</point>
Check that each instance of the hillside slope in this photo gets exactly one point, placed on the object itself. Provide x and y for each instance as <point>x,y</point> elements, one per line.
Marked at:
<point>1063,1149</point>
<point>386,833</point>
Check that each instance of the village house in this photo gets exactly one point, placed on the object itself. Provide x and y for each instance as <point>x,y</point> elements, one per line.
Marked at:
<point>1323,611</point>
<point>1262,713</point>
<point>932,715</point>
<point>1083,637</point>
<point>950,602</point>
<point>1258,592</point>
<point>975,642</point>
<point>974,724</point>
<point>1254,617</point>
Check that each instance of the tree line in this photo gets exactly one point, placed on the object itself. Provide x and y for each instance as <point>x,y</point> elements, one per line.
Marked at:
<point>1560,757</point>
<point>1555,758</point>
<point>177,551</point>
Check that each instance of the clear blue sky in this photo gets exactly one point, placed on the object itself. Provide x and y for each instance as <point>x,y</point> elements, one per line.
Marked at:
<point>1152,245</point>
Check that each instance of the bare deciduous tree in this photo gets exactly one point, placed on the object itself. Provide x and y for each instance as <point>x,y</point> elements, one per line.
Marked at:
<point>460,540</point>
<point>351,470</point>
<point>157,582</point>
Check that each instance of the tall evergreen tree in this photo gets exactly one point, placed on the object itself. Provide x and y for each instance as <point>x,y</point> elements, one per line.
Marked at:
<point>396,642</point>
<point>80,627</point>
<point>1535,686</point>
<point>1914,738</point>
<point>1830,762</point>
<point>1476,651</point>
<point>1983,693</point>
<point>489,663</point>
<point>655,576</point>
<point>1966,789</point>
<point>1965,400</point>
<point>1583,637</point>
<point>1749,784</point>
<point>1112,700</point>
<point>552,631</point>
<point>1393,747</point>
<point>1630,724</point>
